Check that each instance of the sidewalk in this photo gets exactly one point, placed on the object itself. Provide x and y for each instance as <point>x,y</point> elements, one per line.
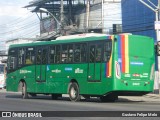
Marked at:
<point>145,98</point>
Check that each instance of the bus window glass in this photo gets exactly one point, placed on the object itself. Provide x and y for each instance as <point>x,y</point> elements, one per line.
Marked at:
<point>107,50</point>
<point>92,53</point>
<point>77,53</point>
<point>70,53</point>
<point>64,54</point>
<point>21,57</point>
<point>98,53</point>
<point>83,52</point>
<point>30,56</point>
<point>39,56</point>
<point>44,56</point>
<point>52,54</point>
<point>57,53</point>
<point>12,59</point>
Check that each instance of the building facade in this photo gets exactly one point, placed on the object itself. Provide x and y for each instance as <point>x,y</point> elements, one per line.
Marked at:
<point>100,16</point>
<point>138,18</point>
<point>18,41</point>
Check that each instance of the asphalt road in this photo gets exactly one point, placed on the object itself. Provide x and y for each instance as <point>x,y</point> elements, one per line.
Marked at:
<point>13,102</point>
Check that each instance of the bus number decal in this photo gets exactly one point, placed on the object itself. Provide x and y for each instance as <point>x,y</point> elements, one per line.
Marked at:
<point>135,84</point>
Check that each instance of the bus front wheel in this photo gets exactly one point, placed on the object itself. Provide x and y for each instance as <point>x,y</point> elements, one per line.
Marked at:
<point>24,91</point>
<point>74,92</point>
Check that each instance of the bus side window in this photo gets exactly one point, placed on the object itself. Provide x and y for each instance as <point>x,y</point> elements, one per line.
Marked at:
<point>52,54</point>
<point>39,56</point>
<point>83,52</point>
<point>57,53</point>
<point>30,56</point>
<point>44,56</point>
<point>12,60</point>
<point>12,63</point>
<point>21,57</point>
<point>64,54</point>
<point>77,52</point>
<point>98,53</point>
<point>70,53</point>
<point>107,50</point>
<point>67,53</point>
<point>92,53</point>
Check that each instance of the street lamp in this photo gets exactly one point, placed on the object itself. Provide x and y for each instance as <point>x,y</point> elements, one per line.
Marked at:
<point>45,10</point>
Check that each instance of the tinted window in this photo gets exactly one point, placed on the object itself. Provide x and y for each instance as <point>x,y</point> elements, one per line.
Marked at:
<point>67,53</point>
<point>80,51</point>
<point>42,55</point>
<point>54,54</point>
<point>39,56</point>
<point>21,57</point>
<point>92,53</point>
<point>98,53</point>
<point>107,50</point>
<point>12,59</point>
<point>30,56</point>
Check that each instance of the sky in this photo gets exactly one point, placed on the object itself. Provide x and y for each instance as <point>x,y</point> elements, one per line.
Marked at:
<point>16,21</point>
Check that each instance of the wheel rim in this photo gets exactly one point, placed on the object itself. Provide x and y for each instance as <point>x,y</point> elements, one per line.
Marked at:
<point>23,89</point>
<point>73,93</point>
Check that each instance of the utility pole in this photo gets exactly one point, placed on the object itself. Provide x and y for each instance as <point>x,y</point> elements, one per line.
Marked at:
<point>62,11</point>
<point>87,14</point>
<point>156,10</point>
<point>102,17</point>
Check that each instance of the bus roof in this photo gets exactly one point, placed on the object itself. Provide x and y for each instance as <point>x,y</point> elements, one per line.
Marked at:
<point>66,39</point>
<point>77,36</point>
<point>72,39</point>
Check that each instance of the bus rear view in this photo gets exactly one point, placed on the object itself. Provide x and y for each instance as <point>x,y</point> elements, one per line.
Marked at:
<point>134,65</point>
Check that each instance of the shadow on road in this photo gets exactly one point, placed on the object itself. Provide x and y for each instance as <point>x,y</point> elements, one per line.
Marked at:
<point>96,100</point>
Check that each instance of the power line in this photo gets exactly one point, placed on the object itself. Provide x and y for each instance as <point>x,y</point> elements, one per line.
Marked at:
<point>21,28</point>
<point>17,21</point>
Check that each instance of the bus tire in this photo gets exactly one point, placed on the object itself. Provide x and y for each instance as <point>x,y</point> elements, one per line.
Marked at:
<point>24,91</point>
<point>74,92</point>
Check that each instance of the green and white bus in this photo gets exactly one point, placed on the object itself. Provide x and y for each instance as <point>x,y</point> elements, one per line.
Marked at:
<point>88,65</point>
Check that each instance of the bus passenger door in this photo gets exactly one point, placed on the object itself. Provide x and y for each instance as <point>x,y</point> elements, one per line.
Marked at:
<point>41,61</point>
<point>94,65</point>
